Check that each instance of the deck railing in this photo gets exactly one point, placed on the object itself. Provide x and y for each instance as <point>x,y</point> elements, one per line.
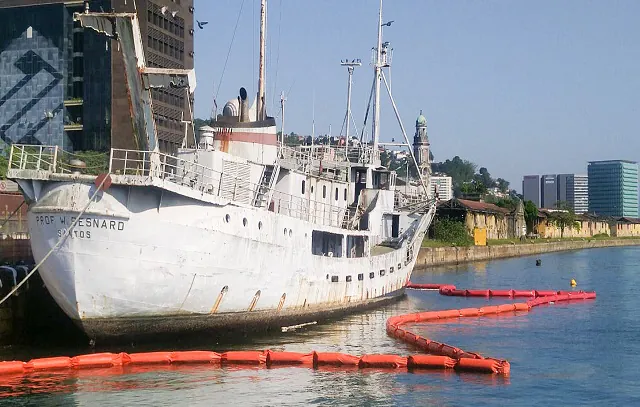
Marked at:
<point>179,171</point>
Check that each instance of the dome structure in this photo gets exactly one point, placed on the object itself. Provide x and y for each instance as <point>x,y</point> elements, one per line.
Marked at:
<point>421,121</point>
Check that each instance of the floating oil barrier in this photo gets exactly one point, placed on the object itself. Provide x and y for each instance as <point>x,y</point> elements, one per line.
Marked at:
<point>439,355</point>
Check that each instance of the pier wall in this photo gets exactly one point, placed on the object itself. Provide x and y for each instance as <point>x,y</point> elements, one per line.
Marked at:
<point>436,256</point>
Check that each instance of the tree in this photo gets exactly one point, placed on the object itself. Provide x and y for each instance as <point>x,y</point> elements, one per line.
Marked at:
<point>4,164</point>
<point>451,231</point>
<point>530,215</point>
<point>503,185</point>
<point>485,178</point>
<point>564,218</point>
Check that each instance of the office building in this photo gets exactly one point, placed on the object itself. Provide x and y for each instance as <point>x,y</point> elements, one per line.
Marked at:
<point>548,191</point>
<point>577,193</point>
<point>613,188</point>
<point>562,181</point>
<point>64,85</point>
<point>443,186</point>
<point>531,189</point>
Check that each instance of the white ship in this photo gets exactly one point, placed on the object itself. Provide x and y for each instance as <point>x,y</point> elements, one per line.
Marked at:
<point>237,232</point>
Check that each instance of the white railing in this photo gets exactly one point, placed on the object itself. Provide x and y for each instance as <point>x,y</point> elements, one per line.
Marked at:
<point>55,160</point>
<point>209,181</point>
<point>179,171</point>
<point>308,158</point>
<point>39,158</point>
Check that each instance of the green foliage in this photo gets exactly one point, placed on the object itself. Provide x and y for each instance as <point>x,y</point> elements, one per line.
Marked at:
<point>600,235</point>
<point>197,123</point>
<point>4,165</point>
<point>452,232</point>
<point>508,203</point>
<point>565,218</point>
<point>530,214</point>
<point>461,171</point>
<point>96,162</point>
<point>503,185</point>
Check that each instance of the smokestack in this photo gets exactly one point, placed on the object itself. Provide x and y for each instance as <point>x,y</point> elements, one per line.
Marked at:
<point>244,109</point>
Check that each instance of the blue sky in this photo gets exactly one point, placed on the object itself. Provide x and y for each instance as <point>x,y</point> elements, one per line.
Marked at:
<point>519,87</point>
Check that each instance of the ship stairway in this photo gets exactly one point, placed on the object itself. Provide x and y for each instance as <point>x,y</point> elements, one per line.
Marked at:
<point>265,189</point>
<point>351,215</point>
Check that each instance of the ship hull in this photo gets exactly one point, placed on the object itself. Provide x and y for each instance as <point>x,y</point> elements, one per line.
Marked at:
<point>143,261</point>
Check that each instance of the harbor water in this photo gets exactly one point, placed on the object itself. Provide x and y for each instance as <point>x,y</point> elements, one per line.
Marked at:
<point>577,353</point>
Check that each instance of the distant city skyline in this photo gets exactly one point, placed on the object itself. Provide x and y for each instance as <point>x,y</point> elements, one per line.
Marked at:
<point>497,82</point>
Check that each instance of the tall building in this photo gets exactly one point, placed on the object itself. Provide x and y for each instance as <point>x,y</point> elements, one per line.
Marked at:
<point>421,144</point>
<point>577,192</point>
<point>421,149</point>
<point>613,188</point>
<point>531,189</point>
<point>443,186</point>
<point>548,191</point>
<point>64,85</point>
<point>562,182</point>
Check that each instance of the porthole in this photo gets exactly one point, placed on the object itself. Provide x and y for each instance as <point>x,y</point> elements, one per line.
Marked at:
<point>334,279</point>
<point>227,218</point>
<point>382,273</point>
<point>348,279</point>
<point>260,225</point>
<point>391,270</point>
<point>244,222</point>
<point>289,232</point>
<point>360,277</point>
<point>372,274</point>
<point>285,232</point>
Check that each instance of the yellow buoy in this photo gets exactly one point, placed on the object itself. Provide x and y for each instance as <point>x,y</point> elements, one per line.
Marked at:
<point>573,283</point>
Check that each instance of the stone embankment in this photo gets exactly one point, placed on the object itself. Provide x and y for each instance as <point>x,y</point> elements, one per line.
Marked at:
<point>436,256</point>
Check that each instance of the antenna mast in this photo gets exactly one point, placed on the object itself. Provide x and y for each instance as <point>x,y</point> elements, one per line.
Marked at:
<point>260,111</point>
<point>350,67</point>
<point>378,80</point>
<point>282,100</point>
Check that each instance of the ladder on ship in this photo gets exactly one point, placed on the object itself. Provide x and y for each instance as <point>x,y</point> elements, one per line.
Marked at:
<point>265,189</point>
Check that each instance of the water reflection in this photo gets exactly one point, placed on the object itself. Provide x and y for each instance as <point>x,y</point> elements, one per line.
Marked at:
<point>556,352</point>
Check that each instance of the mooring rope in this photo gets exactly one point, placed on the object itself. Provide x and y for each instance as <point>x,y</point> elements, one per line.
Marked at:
<point>11,216</point>
<point>54,248</point>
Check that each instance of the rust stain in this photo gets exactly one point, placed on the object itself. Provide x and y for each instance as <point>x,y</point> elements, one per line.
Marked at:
<point>219,299</point>
<point>281,304</point>
<point>254,301</point>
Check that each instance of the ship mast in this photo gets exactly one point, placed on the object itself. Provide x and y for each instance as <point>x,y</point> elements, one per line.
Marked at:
<point>260,111</point>
<point>378,79</point>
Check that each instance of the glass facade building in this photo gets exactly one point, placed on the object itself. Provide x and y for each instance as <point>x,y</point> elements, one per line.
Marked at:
<point>548,191</point>
<point>64,85</point>
<point>613,188</point>
<point>32,75</point>
<point>531,189</point>
<point>578,192</point>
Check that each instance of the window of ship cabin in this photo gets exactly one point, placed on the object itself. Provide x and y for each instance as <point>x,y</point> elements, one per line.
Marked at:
<point>303,182</point>
<point>336,194</point>
<point>324,191</point>
<point>345,194</point>
<point>326,244</point>
<point>355,246</point>
<point>381,180</point>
